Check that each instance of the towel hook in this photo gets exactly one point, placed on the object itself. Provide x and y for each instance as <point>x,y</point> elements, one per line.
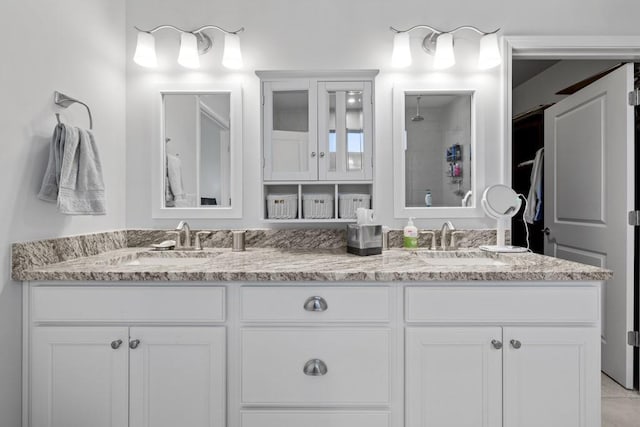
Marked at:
<point>65,101</point>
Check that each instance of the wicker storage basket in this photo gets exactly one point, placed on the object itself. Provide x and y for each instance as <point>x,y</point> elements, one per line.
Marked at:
<point>317,206</point>
<point>348,203</point>
<point>282,206</point>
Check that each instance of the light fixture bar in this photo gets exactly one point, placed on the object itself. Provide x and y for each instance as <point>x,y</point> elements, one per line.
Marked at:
<point>435,30</point>
<point>440,44</point>
<point>192,44</point>
<point>204,27</point>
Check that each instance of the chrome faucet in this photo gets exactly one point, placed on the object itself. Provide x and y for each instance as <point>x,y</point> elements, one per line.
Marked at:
<point>184,225</point>
<point>443,234</point>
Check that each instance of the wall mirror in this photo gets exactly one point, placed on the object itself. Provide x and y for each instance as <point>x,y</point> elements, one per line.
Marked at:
<point>434,153</point>
<point>200,168</point>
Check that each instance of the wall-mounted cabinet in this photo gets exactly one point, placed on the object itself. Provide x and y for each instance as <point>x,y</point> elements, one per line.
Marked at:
<point>317,129</point>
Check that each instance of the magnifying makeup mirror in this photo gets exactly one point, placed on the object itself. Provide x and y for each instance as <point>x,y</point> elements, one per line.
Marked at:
<point>501,203</point>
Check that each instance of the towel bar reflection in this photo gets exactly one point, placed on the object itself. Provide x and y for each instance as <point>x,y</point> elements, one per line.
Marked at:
<point>65,101</point>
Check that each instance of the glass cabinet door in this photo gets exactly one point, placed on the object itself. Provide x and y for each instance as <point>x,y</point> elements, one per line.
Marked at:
<point>290,137</point>
<point>344,129</point>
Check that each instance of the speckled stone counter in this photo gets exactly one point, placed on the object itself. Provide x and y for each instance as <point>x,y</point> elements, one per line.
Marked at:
<point>263,264</point>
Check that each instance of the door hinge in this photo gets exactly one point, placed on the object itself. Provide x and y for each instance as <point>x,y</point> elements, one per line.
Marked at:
<point>633,338</point>
<point>634,98</point>
<point>262,100</point>
<point>634,218</point>
<point>264,163</point>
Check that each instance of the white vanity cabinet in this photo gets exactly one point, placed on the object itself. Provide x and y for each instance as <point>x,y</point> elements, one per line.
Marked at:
<point>124,364</point>
<point>513,356</point>
<point>350,354</point>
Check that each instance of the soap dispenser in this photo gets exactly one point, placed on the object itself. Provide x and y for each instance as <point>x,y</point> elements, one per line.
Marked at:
<point>410,235</point>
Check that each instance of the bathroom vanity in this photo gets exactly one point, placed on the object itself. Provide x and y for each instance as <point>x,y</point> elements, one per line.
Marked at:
<point>281,338</point>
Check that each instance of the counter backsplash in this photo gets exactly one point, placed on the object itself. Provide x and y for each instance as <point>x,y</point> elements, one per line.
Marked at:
<point>44,252</point>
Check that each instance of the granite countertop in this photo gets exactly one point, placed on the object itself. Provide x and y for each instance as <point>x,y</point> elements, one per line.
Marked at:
<point>272,264</point>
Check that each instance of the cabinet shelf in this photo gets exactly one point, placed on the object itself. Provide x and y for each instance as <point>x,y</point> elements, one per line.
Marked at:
<point>316,187</point>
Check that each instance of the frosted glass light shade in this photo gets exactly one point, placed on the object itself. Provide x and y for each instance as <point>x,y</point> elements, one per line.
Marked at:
<point>145,55</point>
<point>401,56</point>
<point>445,57</point>
<point>188,56</point>
<point>232,56</point>
<point>489,56</point>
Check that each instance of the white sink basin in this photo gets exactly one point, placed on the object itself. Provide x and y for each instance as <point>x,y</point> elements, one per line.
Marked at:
<point>459,259</point>
<point>172,261</point>
<point>469,261</point>
<point>167,259</point>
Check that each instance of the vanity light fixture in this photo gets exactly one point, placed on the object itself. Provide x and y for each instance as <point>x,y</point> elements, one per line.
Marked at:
<point>440,44</point>
<point>192,45</point>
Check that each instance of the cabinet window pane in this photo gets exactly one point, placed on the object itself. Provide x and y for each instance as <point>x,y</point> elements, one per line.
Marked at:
<point>291,110</point>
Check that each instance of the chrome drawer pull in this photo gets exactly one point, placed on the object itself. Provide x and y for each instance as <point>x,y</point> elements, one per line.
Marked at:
<point>133,344</point>
<point>516,344</point>
<point>316,304</point>
<point>116,344</point>
<point>315,368</point>
<point>496,344</point>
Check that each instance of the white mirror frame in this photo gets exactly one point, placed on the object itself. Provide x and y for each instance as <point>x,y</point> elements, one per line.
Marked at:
<point>159,210</point>
<point>478,161</point>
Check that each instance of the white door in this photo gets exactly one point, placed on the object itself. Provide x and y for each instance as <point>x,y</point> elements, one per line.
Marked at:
<point>589,191</point>
<point>177,377</point>
<point>79,377</point>
<point>345,131</point>
<point>551,377</point>
<point>454,377</point>
<point>290,123</point>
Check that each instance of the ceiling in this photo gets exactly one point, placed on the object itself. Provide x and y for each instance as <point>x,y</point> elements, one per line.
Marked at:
<point>524,69</point>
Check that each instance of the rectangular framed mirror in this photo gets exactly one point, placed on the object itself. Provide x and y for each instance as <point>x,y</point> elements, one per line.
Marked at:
<point>435,153</point>
<point>199,161</point>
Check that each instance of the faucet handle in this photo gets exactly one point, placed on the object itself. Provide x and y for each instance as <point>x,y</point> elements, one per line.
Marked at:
<point>454,240</point>
<point>433,238</point>
<point>200,235</point>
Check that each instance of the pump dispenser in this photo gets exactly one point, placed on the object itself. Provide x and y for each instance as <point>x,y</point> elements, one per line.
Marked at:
<point>410,235</point>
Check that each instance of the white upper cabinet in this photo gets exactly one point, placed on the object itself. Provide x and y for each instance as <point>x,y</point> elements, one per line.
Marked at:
<point>317,126</point>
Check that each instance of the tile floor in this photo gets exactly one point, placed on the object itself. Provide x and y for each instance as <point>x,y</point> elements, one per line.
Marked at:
<point>620,407</point>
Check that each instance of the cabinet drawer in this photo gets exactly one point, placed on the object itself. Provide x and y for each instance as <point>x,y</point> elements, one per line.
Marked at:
<point>314,419</point>
<point>127,304</point>
<point>357,363</point>
<point>549,304</point>
<point>334,304</point>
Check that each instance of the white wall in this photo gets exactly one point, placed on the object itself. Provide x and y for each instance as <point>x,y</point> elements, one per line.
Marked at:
<point>333,34</point>
<point>541,89</point>
<point>77,47</point>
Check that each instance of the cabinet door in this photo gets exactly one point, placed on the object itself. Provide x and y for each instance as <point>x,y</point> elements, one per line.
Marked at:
<point>551,377</point>
<point>290,131</point>
<point>345,131</point>
<point>77,378</point>
<point>177,377</point>
<point>453,377</point>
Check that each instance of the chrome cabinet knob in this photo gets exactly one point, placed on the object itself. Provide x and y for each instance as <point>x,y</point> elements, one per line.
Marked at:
<point>315,368</point>
<point>133,344</point>
<point>546,231</point>
<point>116,344</point>
<point>322,154</point>
<point>316,304</point>
<point>516,344</point>
<point>496,344</point>
<point>313,154</point>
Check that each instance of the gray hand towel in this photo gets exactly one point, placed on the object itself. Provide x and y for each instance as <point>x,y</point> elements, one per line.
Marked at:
<point>81,189</point>
<point>51,181</point>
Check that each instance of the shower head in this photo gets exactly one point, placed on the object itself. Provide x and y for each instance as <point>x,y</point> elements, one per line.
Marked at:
<point>417,117</point>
